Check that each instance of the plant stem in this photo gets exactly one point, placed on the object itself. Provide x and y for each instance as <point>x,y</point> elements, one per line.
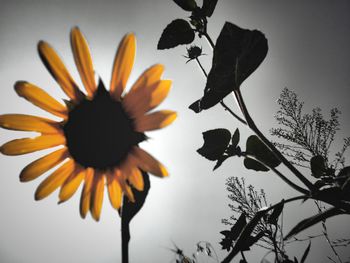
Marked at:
<point>125,240</point>
<point>285,179</point>
<point>254,128</point>
<point>221,102</point>
<point>243,257</point>
<point>325,234</point>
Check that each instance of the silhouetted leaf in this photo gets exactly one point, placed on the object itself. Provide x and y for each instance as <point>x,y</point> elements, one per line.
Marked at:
<point>235,138</point>
<point>187,5</point>
<point>178,32</point>
<point>343,179</point>
<point>317,164</point>
<point>241,243</point>
<point>251,164</point>
<point>232,235</point>
<point>220,161</point>
<point>237,54</point>
<point>252,240</point>
<point>130,209</point>
<point>208,7</point>
<point>258,149</point>
<point>273,218</point>
<point>306,253</point>
<point>308,222</point>
<point>215,143</point>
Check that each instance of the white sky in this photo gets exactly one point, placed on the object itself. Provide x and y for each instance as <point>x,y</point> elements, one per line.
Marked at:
<point>308,53</point>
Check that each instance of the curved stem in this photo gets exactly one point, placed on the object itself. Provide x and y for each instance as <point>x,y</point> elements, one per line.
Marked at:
<point>254,128</point>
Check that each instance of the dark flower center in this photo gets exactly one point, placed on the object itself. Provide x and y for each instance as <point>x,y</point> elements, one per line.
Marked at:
<point>99,133</point>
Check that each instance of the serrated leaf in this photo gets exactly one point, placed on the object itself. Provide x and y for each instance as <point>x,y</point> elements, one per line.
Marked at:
<point>313,220</point>
<point>317,164</point>
<point>215,143</point>
<point>209,7</point>
<point>306,253</point>
<point>237,54</point>
<point>178,32</point>
<point>259,150</point>
<point>233,234</point>
<point>235,138</point>
<point>273,218</point>
<point>187,5</point>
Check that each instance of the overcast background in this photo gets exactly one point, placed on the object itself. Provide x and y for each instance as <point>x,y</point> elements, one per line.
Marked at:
<point>308,52</point>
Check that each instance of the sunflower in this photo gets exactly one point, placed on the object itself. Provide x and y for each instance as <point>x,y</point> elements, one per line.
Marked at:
<point>99,131</point>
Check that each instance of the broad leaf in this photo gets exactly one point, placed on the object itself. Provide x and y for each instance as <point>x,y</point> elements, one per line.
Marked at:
<point>208,7</point>
<point>215,143</point>
<point>313,220</point>
<point>178,32</point>
<point>237,54</point>
<point>258,149</point>
<point>187,5</point>
<point>317,164</point>
<point>220,161</point>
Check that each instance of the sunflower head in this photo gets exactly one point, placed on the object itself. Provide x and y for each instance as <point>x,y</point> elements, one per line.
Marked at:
<point>99,131</point>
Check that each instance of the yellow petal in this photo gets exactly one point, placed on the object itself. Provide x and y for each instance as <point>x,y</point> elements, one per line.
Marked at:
<point>40,166</point>
<point>155,120</point>
<point>28,145</point>
<point>123,63</point>
<point>22,122</point>
<point>59,71</point>
<point>133,174</point>
<point>148,98</point>
<point>55,180</point>
<point>114,191</point>
<point>148,163</point>
<point>83,60</point>
<point>148,78</point>
<point>70,186</point>
<point>97,195</point>
<point>40,98</point>
<point>121,178</point>
<point>86,192</point>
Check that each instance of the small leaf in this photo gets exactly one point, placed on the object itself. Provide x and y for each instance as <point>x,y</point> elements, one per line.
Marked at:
<point>273,218</point>
<point>306,253</point>
<point>220,161</point>
<point>233,234</point>
<point>258,149</point>
<point>241,242</point>
<point>317,164</point>
<point>208,7</point>
<point>215,143</point>
<point>237,54</point>
<point>187,5</point>
<point>308,222</point>
<point>178,32</point>
<point>235,138</point>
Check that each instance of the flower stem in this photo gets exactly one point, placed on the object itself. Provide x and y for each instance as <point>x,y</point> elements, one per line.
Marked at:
<point>254,128</point>
<point>125,240</point>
